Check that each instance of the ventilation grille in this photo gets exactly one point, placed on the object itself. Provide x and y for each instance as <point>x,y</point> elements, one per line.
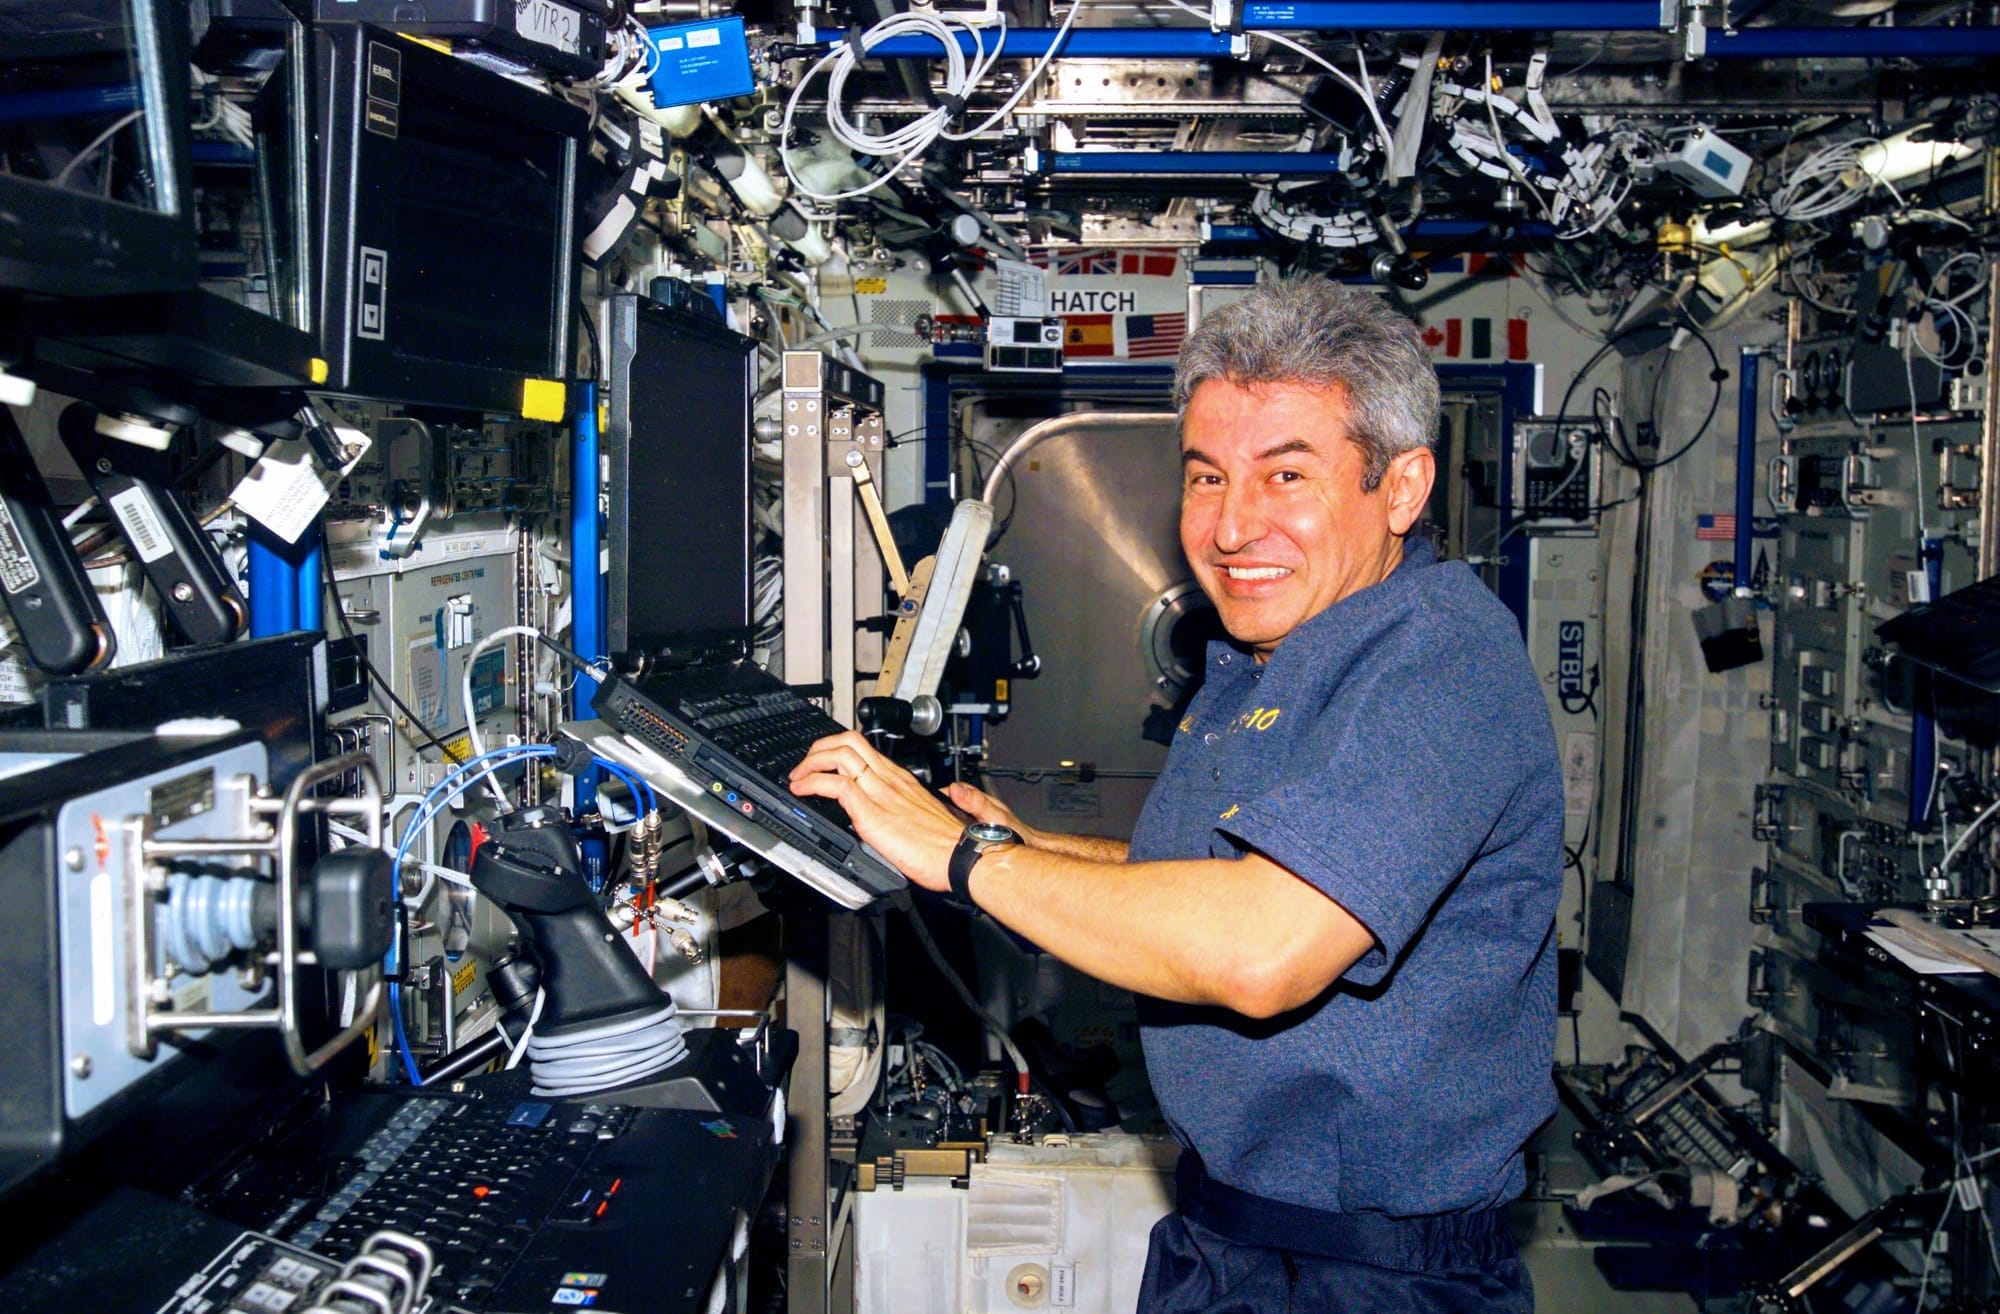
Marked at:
<point>903,314</point>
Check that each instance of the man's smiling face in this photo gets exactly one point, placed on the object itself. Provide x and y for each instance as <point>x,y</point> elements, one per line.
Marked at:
<point>1274,519</point>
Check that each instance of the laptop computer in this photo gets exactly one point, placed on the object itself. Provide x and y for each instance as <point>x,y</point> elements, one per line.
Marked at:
<point>678,555</point>
<point>834,876</point>
<point>523,1203</point>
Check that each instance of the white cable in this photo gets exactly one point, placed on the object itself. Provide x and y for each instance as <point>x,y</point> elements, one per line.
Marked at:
<point>1916,446</point>
<point>1603,208</point>
<point>465,694</point>
<point>1363,88</point>
<point>913,138</point>
<point>1943,270</point>
<point>1368,96</point>
<point>432,869</point>
<point>1349,228</point>
<point>1507,156</point>
<point>637,58</point>
<point>91,149</point>
<point>518,1049</point>
<point>1930,1249</point>
<point>1944,863</point>
<point>965,995</point>
<point>1823,184</point>
<point>1963,330</point>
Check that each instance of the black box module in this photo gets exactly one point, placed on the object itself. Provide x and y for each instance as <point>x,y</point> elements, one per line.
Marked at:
<point>563,37</point>
<point>450,265</point>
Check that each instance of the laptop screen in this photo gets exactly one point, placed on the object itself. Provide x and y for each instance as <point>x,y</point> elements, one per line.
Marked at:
<point>678,448</point>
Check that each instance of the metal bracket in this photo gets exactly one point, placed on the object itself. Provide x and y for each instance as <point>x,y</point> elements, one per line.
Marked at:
<point>433,490</point>
<point>1691,22</point>
<point>146,995</point>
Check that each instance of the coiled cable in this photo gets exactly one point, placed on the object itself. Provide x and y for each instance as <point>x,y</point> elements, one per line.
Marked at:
<point>614,1053</point>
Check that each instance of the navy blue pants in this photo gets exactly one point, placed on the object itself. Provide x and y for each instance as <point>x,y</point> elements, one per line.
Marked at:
<point>1227,1252</point>
<point>1191,1270</point>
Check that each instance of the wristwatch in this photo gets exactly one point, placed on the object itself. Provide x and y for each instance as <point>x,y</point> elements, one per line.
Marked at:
<point>980,837</point>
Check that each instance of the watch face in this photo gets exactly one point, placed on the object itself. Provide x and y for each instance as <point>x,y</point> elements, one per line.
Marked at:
<point>988,832</point>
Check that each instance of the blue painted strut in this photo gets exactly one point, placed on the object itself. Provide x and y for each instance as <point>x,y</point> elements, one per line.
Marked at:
<point>1304,16</point>
<point>1552,16</point>
<point>1855,43</point>
<point>1746,460</point>
<point>587,582</point>
<point>274,585</point>
<point>1194,162</point>
<point>311,579</point>
<point>1455,15</point>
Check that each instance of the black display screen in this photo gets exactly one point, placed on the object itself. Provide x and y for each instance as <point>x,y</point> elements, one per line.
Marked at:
<point>478,216</point>
<point>680,535</point>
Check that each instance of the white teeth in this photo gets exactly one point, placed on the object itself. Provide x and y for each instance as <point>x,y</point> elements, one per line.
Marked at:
<point>1260,572</point>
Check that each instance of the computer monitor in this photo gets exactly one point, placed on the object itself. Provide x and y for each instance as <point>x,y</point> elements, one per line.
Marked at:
<point>94,178</point>
<point>678,449</point>
<point>448,260</point>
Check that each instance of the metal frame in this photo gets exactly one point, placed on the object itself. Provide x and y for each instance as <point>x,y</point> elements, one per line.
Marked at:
<point>833,428</point>
<point>144,855</point>
<point>812,1242</point>
<point>833,439</point>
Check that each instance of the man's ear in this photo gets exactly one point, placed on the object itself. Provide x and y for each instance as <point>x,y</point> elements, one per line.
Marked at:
<point>1408,484</point>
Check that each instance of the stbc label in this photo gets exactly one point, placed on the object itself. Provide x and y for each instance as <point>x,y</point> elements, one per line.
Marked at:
<point>1569,660</point>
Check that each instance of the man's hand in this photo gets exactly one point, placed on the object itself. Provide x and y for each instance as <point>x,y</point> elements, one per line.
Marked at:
<point>890,808</point>
<point>982,806</point>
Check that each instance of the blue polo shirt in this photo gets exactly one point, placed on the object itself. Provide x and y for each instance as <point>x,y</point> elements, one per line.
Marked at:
<point>1395,752</point>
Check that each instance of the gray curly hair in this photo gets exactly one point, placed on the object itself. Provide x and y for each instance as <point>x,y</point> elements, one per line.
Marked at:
<point>1323,334</point>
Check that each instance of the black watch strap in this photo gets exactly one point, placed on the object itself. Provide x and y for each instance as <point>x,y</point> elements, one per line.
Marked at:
<point>980,837</point>
<point>963,857</point>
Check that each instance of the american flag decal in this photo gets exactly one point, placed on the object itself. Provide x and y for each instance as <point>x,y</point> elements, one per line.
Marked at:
<point>1153,337</point>
<point>1722,528</point>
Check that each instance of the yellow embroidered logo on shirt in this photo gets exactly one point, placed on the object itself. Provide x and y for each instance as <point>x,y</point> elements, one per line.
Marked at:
<point>1257,718</point>
<point>1187,724</point>
<point>1234,808</point>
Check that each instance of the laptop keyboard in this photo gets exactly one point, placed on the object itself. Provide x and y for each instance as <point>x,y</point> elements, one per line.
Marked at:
<point>769,731</point>
<point>473,1180</point>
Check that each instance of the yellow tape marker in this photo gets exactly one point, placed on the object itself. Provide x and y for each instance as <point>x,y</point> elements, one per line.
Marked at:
<point>543,399</point>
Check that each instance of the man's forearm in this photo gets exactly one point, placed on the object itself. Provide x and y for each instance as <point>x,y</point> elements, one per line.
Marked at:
<point>1246,935</point>
<point>1091,848</point>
